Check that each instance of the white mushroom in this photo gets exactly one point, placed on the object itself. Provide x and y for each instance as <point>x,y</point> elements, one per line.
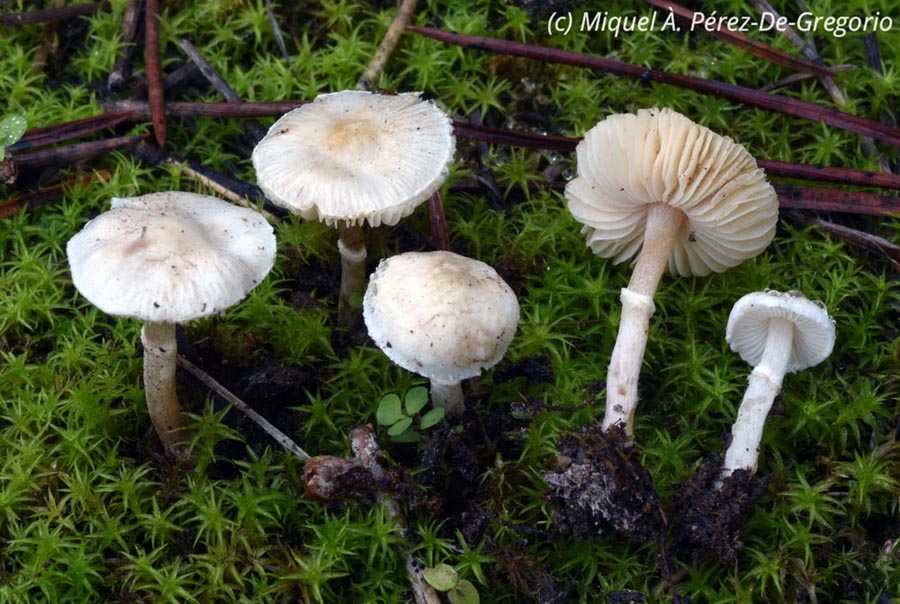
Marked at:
<point>353,157</point>
<point>166,258</point>
<point>442,316</point>
<point>776,333</point>
<point>676,194</point>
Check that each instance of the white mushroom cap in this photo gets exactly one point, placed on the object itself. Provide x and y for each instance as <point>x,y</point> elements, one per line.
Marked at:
<point>356,156</point>
<point>170,256</point>
<point>814,330</point>
<point>439,314</point>
<point>629,161</point>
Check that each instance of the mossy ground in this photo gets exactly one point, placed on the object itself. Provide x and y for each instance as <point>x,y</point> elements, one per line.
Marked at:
<point>91,512</point>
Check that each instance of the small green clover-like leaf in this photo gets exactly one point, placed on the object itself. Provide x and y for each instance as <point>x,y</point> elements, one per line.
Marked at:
<point>464,593</point>
<point>432,417</point>
<point>407,436</point>
<point>12,127</point>
<point>400,427</point>
<point>442,577</point>
<point>416,398</point>
<point>389,411</point>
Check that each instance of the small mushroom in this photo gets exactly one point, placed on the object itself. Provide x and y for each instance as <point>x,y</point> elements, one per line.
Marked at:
<point>776,333</point>
<point>676,194</point>
<point>353,157</point>
<point>166,258</point>
<point>440,315</point>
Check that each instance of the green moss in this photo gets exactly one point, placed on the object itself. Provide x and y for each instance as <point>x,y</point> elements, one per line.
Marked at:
<point>90,511</point>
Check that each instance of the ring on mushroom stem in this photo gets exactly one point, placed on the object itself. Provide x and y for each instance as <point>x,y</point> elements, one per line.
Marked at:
<point>679,196</point>
<point>440,315</point>
<point>776,333</point>
<point>355,157</point>
<point>166,258</point>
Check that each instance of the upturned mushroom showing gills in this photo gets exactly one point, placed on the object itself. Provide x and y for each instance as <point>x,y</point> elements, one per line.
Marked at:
<point>776,333</point>
<point>677,195</point>
<point>166,258</point>
<point>440,315</point>
<point>353,157</point>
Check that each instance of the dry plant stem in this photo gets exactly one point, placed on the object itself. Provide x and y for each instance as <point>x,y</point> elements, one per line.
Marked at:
<point>386,48</point>
<point>366,451</point>
<point>73,153</point>
<point>764,385</point>
<point>52,14</point>
<point>279,38</point>
<point>438,221</point>
<point>663,225</point>
<point>352,246</point>
<point>160,350</point>
<point>749,96</point>
<point>152,58</point>
<point>283,439</point>
<point>127,32</point>
<point>448,394</point>
<point>48,42</point>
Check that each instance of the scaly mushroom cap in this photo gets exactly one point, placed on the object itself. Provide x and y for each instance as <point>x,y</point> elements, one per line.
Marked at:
<point>439,314</point>
<point>629,161</point>
<point>356,156</point>
<point>170,256</point>
<point>814,330</point>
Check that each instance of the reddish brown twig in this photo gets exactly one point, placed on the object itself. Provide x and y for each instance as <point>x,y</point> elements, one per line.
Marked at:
<point>50,194</point>
<point>516,138</point>
<point>764,100</point>
<point>128,30</point>
<point>214,110</point>
<point>836,200</point>
<point>867,241</point>
<point>438,221</point>
<point>155,93</point>
<point>52,14</point>
<point>48,135</point>
<point>73,153</point>
<point>844,176</point>
<point>756,47</point>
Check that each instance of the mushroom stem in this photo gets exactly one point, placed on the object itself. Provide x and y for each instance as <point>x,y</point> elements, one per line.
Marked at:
<point>352,245</point>
<point>764,384</point>
<point>663,224</point>
<point>449,395</point>
<point>160,351</point>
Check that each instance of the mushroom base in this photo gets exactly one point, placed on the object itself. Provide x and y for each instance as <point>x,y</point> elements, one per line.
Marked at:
<point>708,519</point>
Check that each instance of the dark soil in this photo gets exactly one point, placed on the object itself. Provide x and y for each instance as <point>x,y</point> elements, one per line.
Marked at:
<point>709,522</point>
<point>601,486</point>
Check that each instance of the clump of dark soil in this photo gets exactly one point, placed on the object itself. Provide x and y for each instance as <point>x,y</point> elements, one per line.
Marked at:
<point>601,486</point>
<point>709,521</point>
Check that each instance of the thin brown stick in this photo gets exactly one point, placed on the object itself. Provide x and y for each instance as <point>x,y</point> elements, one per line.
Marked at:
<point>141,109</point>
<point>280,437</point>
<point>438,221</point>
<point>73,153</point>
<point>836,200</point>
<point>152,58</point>
<point>386,48</point>
<point>128,30</point>
<point>736,38</point>
<point>808,48</point>
<point>763,100</point>
<point>52,14</point>
<point>219,188</point>
<point>33,199</point>
<point>48,135</point>
<point>867,241</point>
<point>215,78</point>
<point>49,41</point>
<point>173,80</point>
<point>279,38</point>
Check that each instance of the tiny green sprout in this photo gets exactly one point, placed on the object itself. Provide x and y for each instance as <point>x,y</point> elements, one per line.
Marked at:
<point>399,417</point>
<point>12,127</point>
<point>444,578</point>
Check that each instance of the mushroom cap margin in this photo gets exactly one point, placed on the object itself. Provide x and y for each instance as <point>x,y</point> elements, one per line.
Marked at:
<point>170,256</point>
<point>814,329</point>
<point>356,156</point>
<point>629,161</point>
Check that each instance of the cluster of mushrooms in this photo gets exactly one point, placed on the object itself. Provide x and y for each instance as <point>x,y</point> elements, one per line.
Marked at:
<point>651,184</point>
